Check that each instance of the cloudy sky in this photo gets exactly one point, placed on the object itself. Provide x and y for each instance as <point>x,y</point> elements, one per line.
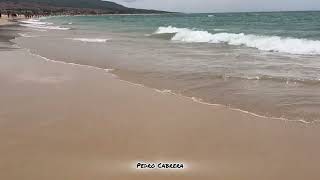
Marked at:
<point>222,5</point>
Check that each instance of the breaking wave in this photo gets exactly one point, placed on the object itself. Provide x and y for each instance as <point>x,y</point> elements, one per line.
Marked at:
<point>265,43</point>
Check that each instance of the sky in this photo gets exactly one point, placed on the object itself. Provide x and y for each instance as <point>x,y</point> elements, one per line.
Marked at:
<point>222,5</point>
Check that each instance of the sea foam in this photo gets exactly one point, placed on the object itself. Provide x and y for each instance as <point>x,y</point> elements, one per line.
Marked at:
<point>91,40</point>
<point>266,43</point>
<point>26,35</point>
<point>37,24</point>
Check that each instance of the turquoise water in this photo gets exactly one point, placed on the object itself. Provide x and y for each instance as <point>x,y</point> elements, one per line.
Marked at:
<point>284,24</point>
<point>284,32</point>
<point>265,63</point>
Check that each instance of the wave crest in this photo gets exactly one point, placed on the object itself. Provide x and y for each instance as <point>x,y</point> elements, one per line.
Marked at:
<point>266,43</point>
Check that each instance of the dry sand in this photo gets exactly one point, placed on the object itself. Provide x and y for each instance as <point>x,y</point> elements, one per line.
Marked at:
<point>4,20</point>
<point>64,122</point>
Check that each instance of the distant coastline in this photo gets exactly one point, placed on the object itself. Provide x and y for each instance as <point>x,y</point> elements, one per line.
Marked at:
<point>32,8</point>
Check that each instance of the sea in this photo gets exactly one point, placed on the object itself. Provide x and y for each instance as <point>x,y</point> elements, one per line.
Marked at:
<point>263,63</point>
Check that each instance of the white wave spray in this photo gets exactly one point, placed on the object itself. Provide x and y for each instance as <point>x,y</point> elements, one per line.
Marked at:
<point>265,43</point>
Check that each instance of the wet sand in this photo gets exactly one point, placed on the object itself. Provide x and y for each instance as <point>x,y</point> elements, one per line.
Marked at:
<point>62,121</point>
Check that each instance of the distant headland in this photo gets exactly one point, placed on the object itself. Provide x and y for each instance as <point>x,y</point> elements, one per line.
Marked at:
<point>31,8</point>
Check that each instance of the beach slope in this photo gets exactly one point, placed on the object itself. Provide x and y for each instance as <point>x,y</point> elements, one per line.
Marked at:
<point>63,121</point>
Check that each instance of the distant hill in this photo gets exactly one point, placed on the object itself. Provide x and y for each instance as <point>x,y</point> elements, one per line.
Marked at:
<point>71,6</point>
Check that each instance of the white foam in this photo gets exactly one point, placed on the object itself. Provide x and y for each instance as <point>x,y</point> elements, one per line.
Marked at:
<point>165,91</point>
<point>266,43</point>
<point>109,70</point>
<point>26,35</point>
<point>91,40</point>
<point>37,24</point>
<point>170,29</point>
<point>35,21</point>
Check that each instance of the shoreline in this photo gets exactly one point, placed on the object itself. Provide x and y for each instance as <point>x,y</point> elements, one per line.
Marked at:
<point>170,92</point>
<point>194,99</point>
<point>8,32</point>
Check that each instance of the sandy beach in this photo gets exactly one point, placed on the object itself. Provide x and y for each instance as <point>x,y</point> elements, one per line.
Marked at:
<point>64,121</point>
<point>4,20</point>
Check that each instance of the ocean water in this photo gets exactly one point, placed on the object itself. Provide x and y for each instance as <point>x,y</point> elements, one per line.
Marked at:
<point>264,63</point>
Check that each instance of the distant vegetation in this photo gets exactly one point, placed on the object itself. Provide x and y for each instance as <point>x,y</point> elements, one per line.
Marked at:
<point>70,7</point>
